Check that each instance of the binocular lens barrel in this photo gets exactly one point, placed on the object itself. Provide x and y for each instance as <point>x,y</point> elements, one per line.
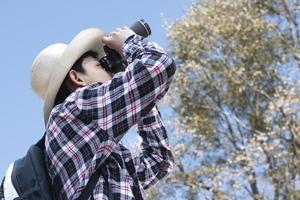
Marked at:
<point>141,28</point>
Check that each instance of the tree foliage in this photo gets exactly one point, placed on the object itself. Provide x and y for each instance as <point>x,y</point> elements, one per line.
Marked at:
<point>236,93</point>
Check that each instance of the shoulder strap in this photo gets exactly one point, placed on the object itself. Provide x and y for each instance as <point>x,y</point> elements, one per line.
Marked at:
<point>41,142</point>
<point>2,190</point>
<point>90,186</point>
<point>88,190</point>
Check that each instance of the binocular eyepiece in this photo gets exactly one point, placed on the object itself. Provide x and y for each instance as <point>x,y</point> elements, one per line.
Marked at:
<point>113,61</point>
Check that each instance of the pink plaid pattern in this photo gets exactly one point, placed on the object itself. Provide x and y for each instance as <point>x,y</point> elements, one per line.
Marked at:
<point>84,132</point>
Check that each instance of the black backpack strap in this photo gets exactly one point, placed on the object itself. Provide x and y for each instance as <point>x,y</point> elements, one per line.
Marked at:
<point>41,142</point>
<point>53,188</point>
<point>2,189</point>
<point>90,186</point>
<point>88,190</point>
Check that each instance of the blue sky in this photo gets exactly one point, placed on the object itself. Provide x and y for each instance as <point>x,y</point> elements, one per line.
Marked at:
<point>26,27</point>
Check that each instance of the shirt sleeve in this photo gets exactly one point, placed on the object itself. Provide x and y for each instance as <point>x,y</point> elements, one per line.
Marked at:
<point>156,159</point>
<point>118,104</point>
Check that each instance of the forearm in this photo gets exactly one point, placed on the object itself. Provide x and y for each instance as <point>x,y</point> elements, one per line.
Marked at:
<point>120,103</point>
<point>156,159</point>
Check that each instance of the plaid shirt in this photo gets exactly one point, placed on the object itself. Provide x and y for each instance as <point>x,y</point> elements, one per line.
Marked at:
<point>84,132</point>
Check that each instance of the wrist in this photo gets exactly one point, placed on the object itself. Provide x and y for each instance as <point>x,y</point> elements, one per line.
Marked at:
<point>152,116</point>
<point>124,45</point>
<point>131,46</point>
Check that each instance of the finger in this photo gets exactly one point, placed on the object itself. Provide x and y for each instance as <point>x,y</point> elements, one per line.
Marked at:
<point>119,29</point>
<point>114,33</point>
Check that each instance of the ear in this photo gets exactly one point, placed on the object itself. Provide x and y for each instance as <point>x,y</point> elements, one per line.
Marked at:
<point>76,79</point>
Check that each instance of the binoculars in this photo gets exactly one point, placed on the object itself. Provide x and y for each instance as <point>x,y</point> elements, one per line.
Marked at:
<point>113,61</point>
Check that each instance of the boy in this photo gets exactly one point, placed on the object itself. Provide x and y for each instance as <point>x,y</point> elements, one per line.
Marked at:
<point>87,111</point>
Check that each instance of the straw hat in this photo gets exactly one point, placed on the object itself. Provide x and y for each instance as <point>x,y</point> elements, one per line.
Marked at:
<point>52,64</point>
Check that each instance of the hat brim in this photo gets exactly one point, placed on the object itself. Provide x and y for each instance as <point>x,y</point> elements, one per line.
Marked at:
<point>86,40</point>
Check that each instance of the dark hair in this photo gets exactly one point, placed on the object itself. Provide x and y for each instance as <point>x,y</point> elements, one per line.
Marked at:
<point>64,91</point>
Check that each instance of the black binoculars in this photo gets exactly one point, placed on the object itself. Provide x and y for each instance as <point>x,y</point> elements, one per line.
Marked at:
<point>113,61</point>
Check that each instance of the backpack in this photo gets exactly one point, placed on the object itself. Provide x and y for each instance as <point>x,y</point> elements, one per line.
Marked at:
<point>31,180</point>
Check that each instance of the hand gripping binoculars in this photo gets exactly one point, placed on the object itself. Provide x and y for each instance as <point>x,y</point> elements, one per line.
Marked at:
<point>113,61</point>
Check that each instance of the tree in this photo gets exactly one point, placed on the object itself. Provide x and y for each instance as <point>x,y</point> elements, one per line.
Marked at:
<point>236,93</point>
